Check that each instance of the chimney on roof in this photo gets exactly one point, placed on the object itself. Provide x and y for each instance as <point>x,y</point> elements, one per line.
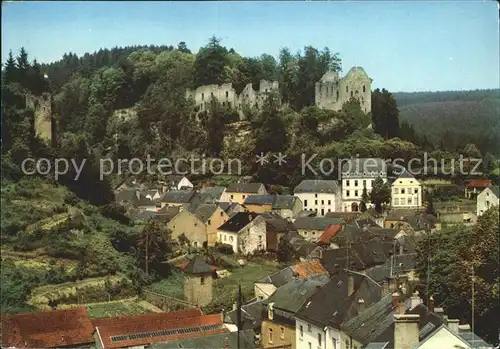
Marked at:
<point>350,285</point>
<point>430,304</point>
<point>406,331</point>
<point>453,325</point>
<point>415,300</point>
<point>439,312</point>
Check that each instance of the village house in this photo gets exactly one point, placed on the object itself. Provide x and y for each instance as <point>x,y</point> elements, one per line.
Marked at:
<point>476,186</point>
<point>318,322</point>
<point>238,192</point>
<point>489,197</point>
<point>265,287</point>
<point>251,316</point>
<point>198,225</point>
<point>287,206</point>
<point>411,220</point>
<point>358,174</point>
<point>276,228</point>
<point>320,196</point>
<point>311,228</point>
<point>153,194</point>
<point>259,203</point>
<point>48,329</point>
<point>177,197</point>
<point>406,191</point>
<point>214,192</point>
<point>278,323</point>
<point>141,330</point>
<point>245,232</point>
<point>302,248</point>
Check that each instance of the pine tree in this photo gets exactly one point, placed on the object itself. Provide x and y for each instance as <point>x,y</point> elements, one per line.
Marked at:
<point>23,67</point>
<point>10,70</point>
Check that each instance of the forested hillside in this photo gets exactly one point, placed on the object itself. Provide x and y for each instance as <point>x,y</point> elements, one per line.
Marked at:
<point>450,119</point>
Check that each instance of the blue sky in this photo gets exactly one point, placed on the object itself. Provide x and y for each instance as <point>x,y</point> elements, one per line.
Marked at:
<point>403,46</point>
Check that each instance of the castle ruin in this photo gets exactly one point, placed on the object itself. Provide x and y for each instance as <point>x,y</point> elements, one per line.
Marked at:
<point>332,91</point>
<point>43,122</point>
<point>227,96</point>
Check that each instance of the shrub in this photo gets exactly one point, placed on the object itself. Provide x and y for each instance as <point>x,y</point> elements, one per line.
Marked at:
<point>224,248</point>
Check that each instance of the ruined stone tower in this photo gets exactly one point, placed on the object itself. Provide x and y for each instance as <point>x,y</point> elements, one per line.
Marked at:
<point>198,282</point>
<point>332,91</point>
<point>43,122</point>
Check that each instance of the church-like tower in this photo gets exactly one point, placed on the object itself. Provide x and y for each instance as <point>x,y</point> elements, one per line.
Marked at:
<point>332,91</point>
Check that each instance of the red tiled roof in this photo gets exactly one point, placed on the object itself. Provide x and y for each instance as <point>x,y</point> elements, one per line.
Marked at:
<point>328,234</point>
<point>310,268</point>
<point>47,329</point>
<point>130,325</point>
<point>184,265</point>
<point>478,183</point>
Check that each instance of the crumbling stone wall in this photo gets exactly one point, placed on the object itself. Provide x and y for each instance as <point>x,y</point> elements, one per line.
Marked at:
<point>42,110</point>
<point>227,96</point>
<point>332,91</point>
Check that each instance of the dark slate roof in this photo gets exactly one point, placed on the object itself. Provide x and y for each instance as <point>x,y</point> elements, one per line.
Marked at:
<point>277,223</point>
<point>251,314</point>
<point>228,207</point>
<point>428,323</point>
<point>421,221</point>
<point>354,234</point>
<point>291,296</point>
<point>301,246</point>
<point>347,216</point>
<point>259,200</point>
<point>496,190</point>
<point>369,324</point>
<point>143,201</point>
<point>238,221</point>
<point>126,195</point>
<point>283,202</point>
<point>331,305</point>
<point>214,192</point>
<point>200,199</point>
<point>222,340</point>
<point>244,187</point>
<point>377,345</point>
<point>173,180</point>
<point>178,196</point>
<point>366,222</point>
<point>205,211</point>
<point>473,339</point>
<point>197,265</point>
<point>364,165</point>
<point>316,223</point>
<point>167,213</point>
<point>401,264</point>
<point>279,278</point>
<point>306,213</point>
<point>404,174</point>
<point>317,186</point>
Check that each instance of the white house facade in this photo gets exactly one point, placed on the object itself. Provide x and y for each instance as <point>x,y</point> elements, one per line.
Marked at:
<point>309,336</point>
<point>406,192</point>
<point>321,196</point>
<point>489,197</point>
<point>245,232</point>
<point>358,174</point>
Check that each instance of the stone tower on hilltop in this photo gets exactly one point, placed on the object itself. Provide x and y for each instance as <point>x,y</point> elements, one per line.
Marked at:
<point>332,91</point>
<point>43,123</point>
<point>198,277</point>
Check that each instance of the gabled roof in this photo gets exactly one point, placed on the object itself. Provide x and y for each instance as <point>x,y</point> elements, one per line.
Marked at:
<point>302,270</point>
<point>259,200</point>
<point>167,213</point>
<point>250,313</point>
<point>364,167</point>
<point>478,183</point>
<point>222,340</point>
<point>128,331</point>
<point>328,234</point>
<point>200,199</point>
<point>291,296</point>
<point>317,186</point>
<point>332,305</point>
<point>197,265</point>
<point>276,223</point>
<point>404,174</point>
<point>178,196</point>
<point>238,221</point>
<point>316,223</point>
<point>283,202</point>
<point>47,329</point>
<point>215,192</point>
<point>205,211</point>
<point>244,188</point>
<point>496,190</point>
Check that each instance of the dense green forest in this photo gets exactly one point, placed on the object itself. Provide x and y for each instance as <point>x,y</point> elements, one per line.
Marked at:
<point>448,119</point>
